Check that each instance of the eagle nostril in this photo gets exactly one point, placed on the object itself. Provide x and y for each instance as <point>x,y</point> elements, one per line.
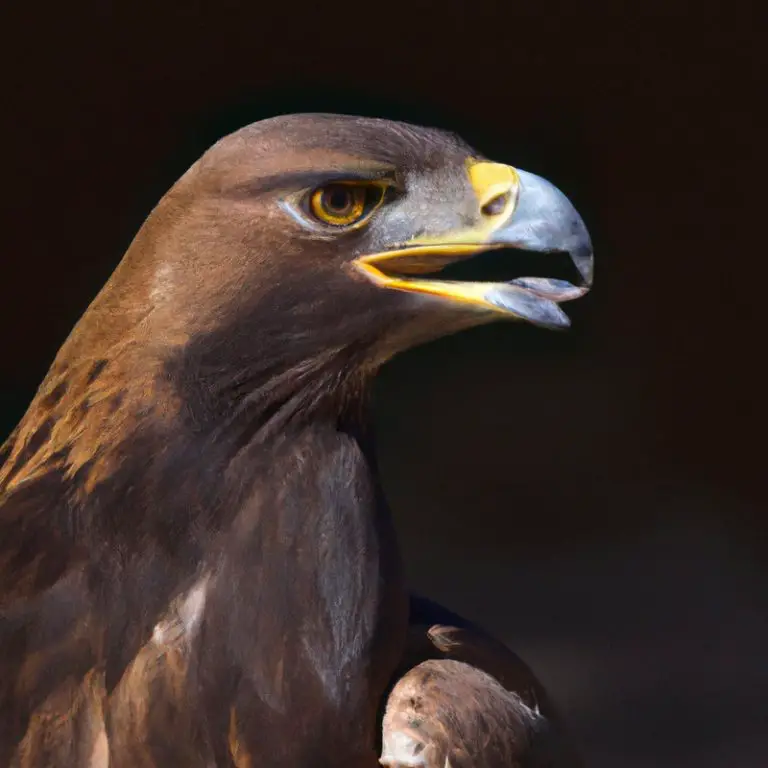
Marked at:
<point>496,204</point>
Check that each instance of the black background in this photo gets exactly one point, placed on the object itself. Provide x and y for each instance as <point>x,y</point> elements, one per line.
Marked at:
<point>596,498</point>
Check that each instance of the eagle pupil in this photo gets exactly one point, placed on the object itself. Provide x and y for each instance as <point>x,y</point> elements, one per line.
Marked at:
<point>339,199</point>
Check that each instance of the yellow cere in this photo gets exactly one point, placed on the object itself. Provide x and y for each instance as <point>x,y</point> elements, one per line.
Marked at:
<point>493,180</point>
<point>496,187</point>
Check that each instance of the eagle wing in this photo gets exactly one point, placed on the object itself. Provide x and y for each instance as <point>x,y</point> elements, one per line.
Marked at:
<point>462,698</point>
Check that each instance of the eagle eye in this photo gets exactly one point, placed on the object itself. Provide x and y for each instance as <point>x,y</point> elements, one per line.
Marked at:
<point>344,204</point>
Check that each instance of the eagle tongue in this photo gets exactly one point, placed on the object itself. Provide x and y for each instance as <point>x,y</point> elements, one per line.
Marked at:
<point>527,305</point>
<point>550,288</point>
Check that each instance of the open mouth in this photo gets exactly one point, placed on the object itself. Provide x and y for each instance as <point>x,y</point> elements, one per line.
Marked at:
<point>492,277</point>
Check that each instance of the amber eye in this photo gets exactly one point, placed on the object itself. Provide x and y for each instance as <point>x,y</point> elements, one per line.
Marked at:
<point>342,205</point>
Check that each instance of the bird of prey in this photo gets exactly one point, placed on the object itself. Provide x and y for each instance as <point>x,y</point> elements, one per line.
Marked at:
<point>197,563</point>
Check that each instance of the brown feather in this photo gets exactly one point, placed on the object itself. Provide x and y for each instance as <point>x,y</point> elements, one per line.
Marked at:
<point>482,706</point>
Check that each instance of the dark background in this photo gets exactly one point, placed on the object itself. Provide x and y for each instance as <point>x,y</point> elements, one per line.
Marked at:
<point>596,498</point>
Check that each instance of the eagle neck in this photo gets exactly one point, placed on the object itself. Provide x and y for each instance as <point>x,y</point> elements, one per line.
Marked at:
<point>313,552</point>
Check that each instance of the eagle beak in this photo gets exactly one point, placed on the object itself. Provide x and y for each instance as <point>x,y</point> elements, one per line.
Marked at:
<point>516,210</point>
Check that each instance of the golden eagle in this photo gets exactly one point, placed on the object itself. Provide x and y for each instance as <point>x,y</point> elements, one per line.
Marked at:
<point>197,564</point>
